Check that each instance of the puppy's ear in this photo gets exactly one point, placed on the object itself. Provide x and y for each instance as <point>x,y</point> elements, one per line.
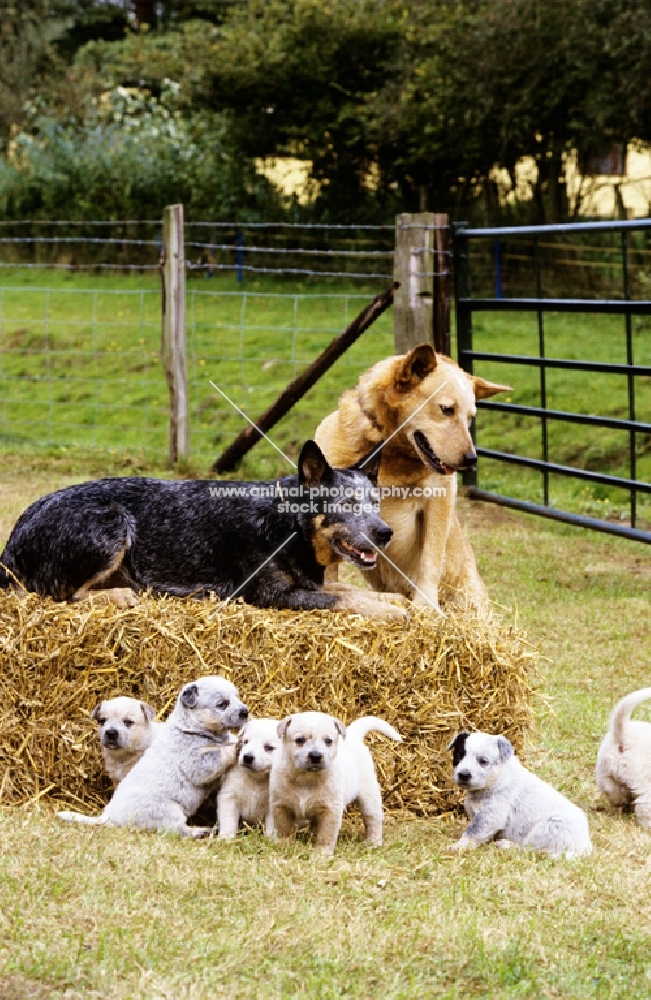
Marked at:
<point>414,367</point>
<point>341,729</point>
<point>189,696</point>
<point>283,726</point>
<point>370,463</point>
<point>484,389</point>
<point>148,711</point>
<point>95,713</point>
<point>458,747</point>
<point>312,465</point>
<point>505,748</point>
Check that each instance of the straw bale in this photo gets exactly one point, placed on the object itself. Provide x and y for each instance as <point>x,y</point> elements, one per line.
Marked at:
<point>429,679</point>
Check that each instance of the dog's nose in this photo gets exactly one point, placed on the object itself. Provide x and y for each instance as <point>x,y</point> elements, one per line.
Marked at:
<point>111,735</point>
<point>383,534</point>
<point>243,712</point>
<point>463,777</point>
<point>469,459</point>
<point>247,759</point>
<point>315,757</point>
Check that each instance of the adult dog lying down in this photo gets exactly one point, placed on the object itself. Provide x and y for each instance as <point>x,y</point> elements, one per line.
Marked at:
<point>421,404</point>
<point>267,543</point>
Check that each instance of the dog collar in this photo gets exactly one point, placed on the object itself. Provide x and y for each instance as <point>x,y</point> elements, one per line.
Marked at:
<point>213,737</point>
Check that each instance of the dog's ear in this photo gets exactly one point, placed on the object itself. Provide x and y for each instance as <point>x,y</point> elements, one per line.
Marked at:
<point>415,366</point>
<point>312,465</point>
<point>484,389</point>
<point>148,711</point>
<point>189,696</point>
<point>458,747</point>
<point>95,713</point>
<point>283,726</point>
<point>505,748</point>
<point>341,729</point>
<point>370,463</point>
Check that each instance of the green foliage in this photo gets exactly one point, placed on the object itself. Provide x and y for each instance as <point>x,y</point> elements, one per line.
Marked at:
<point>130,156</point>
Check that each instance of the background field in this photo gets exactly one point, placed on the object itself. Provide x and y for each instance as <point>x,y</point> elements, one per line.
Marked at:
<point>80,372</point>
<point>110,914</point>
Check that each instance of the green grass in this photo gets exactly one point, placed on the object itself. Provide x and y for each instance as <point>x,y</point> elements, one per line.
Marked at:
<point>116,915</point>
<point>80,371</point>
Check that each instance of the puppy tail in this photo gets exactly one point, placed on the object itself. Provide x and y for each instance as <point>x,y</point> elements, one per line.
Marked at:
<point>622,712</point>
<point>368,724</point>
<point>74,817</point>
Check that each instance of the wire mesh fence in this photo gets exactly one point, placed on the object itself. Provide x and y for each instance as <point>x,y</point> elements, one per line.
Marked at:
<point>80,327</point>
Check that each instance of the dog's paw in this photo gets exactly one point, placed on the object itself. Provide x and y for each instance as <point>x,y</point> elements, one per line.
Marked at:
<point>462,844</point>
<point>122,597</point>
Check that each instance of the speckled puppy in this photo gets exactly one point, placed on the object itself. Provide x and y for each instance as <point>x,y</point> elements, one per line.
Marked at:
<point>182,766</point>
<point>510,805</point>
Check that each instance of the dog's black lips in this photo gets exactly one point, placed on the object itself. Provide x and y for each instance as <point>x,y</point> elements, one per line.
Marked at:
<point>363,557</point>
<point>432,458</point>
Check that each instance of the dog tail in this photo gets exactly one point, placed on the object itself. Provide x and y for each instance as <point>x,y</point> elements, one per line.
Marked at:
<point>622,712</point>
<point>73,817</point>
<point>368,724</point>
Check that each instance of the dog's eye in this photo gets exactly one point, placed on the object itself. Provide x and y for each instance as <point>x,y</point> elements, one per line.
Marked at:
<point>221,705</point>
<point>268,748</point>
<point>128,723</point>
<point>101,722</point>
<point>447,411</point>
<point>482,761</point>
<point>299,741</point>
<point>328,741</point>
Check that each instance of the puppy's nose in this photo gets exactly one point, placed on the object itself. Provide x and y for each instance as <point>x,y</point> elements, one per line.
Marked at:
<point>247,759</point>
<point>383,534</point>
<point>111,735</point>
<point>463,777</point>
<point>315,757</point>
<point>243,712</point>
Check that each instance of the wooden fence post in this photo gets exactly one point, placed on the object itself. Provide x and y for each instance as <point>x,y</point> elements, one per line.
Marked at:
<point>173,348</point>
<point>421,311</point>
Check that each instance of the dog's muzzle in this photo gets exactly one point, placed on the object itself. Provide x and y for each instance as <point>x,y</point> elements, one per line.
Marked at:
<point>435,462</point>
<point>463,778</point>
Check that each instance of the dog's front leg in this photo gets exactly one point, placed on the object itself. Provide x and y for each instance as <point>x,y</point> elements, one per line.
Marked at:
<point>282,820</point>
<point>328,824</point>
<point>484,827</point>
<point>228,817</point>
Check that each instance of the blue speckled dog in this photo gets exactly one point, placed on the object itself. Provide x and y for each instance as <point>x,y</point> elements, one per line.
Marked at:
<point>267,542</point>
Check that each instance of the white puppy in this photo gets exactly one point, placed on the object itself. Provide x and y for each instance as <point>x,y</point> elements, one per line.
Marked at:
<point>126,727</point>
<point>321,768</point>
<point>624,759</point>
<point>509,804</point>
<point>182,766</point>
<point>244,791</point>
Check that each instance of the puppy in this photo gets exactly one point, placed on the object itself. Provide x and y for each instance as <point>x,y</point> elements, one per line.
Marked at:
<point>244,791</point>
<point>125,727</point>
<point>624,759</point>
<point>509,804</point>
<point>182,766</point>
<point>321,768</point>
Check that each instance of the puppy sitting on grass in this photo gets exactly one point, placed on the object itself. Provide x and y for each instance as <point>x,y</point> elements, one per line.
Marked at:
<point>181,767</point>
<point>510,805</point>
<point>321,768</point>
<point>126,727</point>
<point>624,759</point>
<point>244,791</point>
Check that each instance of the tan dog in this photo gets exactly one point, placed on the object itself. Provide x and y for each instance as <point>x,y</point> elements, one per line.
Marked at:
<point>244,791</point>
<point>624,759</point>
<point>421,404</point>
<point>322,767</point>
<point>125,727</point>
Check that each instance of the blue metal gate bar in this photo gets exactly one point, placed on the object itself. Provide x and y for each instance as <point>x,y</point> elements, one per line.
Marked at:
<point>466,305</point>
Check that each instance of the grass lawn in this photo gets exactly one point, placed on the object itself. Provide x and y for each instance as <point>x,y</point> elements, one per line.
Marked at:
<point>113,914</point>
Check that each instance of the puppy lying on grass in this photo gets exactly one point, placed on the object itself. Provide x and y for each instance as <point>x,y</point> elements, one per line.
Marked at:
<point>624,759</point>
<point>510,805</point>
<point>181,767</point>
<point>321,768</point>
<point>244,791</point>
<point>126,727</point>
